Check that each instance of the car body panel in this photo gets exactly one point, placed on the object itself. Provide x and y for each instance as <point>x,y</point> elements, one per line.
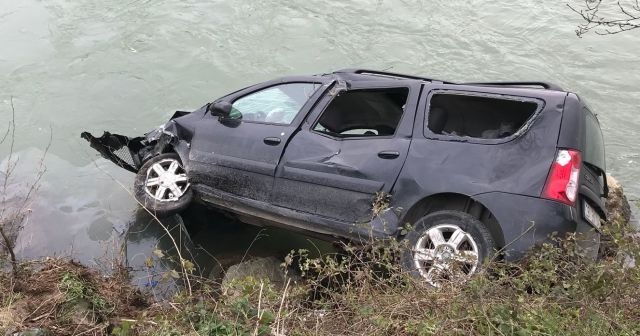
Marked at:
<point>325,185</point>
<point>527,220</point>
<point>475,166</point>
<point>240,157</point>
<point>339,177</point>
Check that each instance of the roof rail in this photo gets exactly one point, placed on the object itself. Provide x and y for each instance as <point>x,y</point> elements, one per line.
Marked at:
<point>544,85</point>
<point>386,74</point>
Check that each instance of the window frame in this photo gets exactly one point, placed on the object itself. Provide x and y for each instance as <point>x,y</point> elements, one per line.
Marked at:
<point>429,134</point>
<point>591,120</point>
<point>319,85</point>
<point>363,137</point>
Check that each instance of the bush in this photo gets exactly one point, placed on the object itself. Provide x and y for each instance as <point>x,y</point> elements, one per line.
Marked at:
<point>554,290</point>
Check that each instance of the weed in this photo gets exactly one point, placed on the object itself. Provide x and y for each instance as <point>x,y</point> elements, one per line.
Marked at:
<point>124,329</point>
<point>77,291</point>
<point>553,290</point>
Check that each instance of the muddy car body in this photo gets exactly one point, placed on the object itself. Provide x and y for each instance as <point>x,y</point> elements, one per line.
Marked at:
<point>472,168</point>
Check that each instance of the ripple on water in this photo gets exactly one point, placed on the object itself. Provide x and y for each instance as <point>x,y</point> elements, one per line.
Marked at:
<point>76,65</point>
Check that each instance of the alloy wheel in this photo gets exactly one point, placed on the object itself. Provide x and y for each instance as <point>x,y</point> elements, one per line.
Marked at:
<point>166,180</point>
<point>445,253</point>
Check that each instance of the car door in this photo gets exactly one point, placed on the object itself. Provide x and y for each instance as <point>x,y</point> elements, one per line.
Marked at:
<point>239,154</point>
<point>351,147</point>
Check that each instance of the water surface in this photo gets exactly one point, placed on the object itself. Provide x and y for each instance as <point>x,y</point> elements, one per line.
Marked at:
<point>75,65</point>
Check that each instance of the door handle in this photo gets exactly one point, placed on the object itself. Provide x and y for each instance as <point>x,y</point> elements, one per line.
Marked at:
<point>388,155</point>
<point>272,141</point>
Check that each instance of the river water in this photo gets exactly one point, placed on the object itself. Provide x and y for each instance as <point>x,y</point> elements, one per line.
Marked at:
<point>125,66</point>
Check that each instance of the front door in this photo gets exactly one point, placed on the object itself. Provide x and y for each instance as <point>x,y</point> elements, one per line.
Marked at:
<point>239,154</point>
<point>349,149</point>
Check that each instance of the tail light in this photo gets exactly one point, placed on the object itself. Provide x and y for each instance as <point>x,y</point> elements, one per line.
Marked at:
<point>562,183</point>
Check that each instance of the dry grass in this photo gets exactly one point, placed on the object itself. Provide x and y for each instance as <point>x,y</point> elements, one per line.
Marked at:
<point>66,298</point>
<point>553,291</point>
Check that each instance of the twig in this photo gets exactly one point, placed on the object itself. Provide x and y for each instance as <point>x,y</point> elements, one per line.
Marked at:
<point>282,299</point>
<point>629,18</point>
<point>3,224</point>
<point>255,331</point>
<point>164,227</point>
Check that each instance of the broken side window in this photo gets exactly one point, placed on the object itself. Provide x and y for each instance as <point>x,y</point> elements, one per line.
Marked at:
<point>477,116</point>
<point>363,113</point>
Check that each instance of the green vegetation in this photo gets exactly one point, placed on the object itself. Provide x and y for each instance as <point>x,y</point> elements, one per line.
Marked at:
<point>552,291</point>
<point>79,292</point>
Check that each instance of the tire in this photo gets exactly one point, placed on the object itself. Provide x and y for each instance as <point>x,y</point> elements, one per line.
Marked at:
<point>148,184</point>
<point>447,246</point>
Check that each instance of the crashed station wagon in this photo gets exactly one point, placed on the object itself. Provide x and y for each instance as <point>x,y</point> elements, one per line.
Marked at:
<point>470,168</point>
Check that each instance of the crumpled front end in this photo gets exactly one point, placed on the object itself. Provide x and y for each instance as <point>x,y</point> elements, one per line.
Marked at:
<point>131,153</point>
<point>128,153</point>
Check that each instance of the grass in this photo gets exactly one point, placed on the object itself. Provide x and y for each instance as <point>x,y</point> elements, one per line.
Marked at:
<point>552,291</point>
<point>65,298</point>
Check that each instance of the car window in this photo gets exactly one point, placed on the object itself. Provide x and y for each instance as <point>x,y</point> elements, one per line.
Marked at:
<point>594,150</point>
<point>478,116</point>
<point>276,104</point>
<point>363,113</point>
<point>361,131</point>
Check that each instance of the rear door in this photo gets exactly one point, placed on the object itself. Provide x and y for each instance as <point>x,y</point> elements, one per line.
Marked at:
<point>239,154</point>
<point>352,146</point>
<point>581,131</point>
<point>593,184</point>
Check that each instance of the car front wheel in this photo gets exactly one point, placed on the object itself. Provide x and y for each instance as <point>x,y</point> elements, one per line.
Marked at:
<point>447,246</point>
<point>162,185</point>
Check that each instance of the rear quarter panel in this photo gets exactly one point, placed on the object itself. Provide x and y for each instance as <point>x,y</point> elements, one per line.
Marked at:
<point>575,133</point>
<point>455,165</point>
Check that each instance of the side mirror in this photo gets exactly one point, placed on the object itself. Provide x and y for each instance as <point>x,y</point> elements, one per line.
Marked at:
<point>221,109</point>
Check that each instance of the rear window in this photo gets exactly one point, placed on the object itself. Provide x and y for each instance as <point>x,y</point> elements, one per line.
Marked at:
<point>594,146</point>
<point>478,116</point>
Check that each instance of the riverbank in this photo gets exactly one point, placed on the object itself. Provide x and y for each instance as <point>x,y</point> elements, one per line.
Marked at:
<point>551,291</point>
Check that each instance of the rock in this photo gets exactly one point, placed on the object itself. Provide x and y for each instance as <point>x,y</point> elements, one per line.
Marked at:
<point>618,216</point>
<point>634,222</point>
<point>260,268</point>
<point>617,205</point>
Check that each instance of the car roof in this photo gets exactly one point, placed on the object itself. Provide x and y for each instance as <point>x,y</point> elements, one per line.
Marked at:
<point>376,75</point>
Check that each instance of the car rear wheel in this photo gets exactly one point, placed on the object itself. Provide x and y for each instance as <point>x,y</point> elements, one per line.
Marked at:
<point>162,185</point>
<point>447,246</point>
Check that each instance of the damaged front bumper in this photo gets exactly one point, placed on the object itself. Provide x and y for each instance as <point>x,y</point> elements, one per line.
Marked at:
<point>131,153</point>
<point>128,153</point>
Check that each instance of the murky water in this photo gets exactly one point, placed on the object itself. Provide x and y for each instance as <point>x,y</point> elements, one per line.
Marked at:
<point>74,65</point>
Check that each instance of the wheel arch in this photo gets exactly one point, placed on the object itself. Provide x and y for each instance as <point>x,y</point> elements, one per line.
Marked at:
<point>458,202</point>
<point>166,145</point>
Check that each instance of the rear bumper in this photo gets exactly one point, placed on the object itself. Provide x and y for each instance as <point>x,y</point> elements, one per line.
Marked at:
<point>528,221</point>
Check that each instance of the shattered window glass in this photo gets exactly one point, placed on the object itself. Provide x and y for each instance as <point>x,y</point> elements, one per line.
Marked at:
<point>478,116</point>
<point>277,104</point>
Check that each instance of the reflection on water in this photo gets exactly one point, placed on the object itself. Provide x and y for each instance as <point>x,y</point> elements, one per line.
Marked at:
<point>151,250</point>
<point>75,211</point>
<point>209,239</point>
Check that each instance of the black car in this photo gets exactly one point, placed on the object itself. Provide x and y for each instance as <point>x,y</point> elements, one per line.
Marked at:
<point>471,168</point>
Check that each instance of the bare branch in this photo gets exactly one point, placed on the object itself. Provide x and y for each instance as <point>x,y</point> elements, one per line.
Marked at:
<point>628,17</point>
<point>11,220</point>
<point>5,222</point>
<point>41,170</point>
<point>4,137</point>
